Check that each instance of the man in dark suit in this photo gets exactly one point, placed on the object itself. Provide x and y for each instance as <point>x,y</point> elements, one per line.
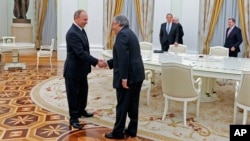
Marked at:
<point>128,77</point>
<point>181,33</point>
<point>233,38</point>
<point>76,68</point>
<point>169,33</point>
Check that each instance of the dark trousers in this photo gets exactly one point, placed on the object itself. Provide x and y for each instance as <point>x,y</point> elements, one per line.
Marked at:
<point>77,95</point>
<point>127,103</point>
<point>165,47</point>
<point>233,53</point>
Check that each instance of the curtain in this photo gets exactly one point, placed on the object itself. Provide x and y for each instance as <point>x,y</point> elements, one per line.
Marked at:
<point>40,13</point>
<point>109,9</point>
<point>129,10</point>
<point>50,24</point>
<point>244,12</point>
<point>144,14</point>
<point>117,11</point>
<point>205,19</point>
<point>215,15</point>
<point>229,10</point>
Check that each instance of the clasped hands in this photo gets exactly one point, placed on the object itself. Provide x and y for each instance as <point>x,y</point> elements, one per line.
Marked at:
<point>102,63</point>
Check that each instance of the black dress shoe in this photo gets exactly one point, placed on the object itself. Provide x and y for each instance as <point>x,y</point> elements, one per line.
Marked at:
<point>111,136</point>
<point>127,133</point>
<point>86,114</point>
<point>76,125</point>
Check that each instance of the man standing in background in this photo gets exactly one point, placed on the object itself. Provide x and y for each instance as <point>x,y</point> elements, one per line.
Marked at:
<point>169,33</point>
<point>233,38</point>
<point>181,33</point>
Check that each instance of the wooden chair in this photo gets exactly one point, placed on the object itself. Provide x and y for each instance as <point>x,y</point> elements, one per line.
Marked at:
<point>46,51</point>
<point>178,84</point>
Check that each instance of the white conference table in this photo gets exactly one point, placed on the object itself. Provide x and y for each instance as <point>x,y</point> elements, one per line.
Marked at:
<point>15,54</point>
<point>203,65</point>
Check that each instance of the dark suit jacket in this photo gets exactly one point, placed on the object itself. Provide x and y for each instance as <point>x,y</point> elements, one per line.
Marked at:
<point>181,34</point>
<point>78,62</point>
<point>168,39</point>
<point>234,39</point>
<point>127,60</point>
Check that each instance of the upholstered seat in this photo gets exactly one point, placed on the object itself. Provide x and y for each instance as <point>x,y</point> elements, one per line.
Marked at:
<point>242,96</point>
<point>180,48</point>
<point>178,84</point>
<point>219,51</point>
<point>46,51</point>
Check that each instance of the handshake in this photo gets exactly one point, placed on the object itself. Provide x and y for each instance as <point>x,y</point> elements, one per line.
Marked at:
<point>102,63</point>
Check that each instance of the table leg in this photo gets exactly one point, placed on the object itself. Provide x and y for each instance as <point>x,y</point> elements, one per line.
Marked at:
<point>15,61</point>
<point>207,94</point>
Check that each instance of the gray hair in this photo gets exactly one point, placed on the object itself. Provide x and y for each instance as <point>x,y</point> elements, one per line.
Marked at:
<point>78,13</point>
<point>121,20</point>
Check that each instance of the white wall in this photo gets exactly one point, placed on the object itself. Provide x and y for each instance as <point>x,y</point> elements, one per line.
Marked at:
<point>93,29</point>
<point>186,10</point>
<point>3,18</point>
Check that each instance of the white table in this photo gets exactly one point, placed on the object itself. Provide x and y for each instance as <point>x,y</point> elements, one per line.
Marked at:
<point>15,54</point>
<point>203,65</point>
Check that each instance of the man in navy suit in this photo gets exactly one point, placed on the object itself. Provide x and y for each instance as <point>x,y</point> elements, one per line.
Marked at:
<point>76,68</point>
<point>181,32</point>
<point>128,71</point>
<point>233,38</point>
<point>169,33</point>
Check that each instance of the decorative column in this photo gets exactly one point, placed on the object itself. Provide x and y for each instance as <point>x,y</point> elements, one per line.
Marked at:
<point>190,23</point>
<point>65,17</point>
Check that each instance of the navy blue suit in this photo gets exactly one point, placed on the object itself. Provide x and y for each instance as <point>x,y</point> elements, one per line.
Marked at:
<point>76,68</point>
<point>127,64</point>
<point>234,39</point>
<point>167,39</point>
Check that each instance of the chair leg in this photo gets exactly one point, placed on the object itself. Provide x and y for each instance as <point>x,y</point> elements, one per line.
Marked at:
<point>185,113</point>
<point>37,62</point>
<point>235,112</point>
<point>198,108</point>
<point>50,62</point>
<point>165,109</point>
<point>245,116</point>
<point>148,95</point>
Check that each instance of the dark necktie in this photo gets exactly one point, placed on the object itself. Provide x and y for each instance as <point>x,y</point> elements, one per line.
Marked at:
<point>84,34</point>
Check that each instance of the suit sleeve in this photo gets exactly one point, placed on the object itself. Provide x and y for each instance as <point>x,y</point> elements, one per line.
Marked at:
<point>161,34</point>
<point>176,39</point>
<point>110,63</point>
<point>239,38</point>
<point>76,43</point>
<point>122,52</point>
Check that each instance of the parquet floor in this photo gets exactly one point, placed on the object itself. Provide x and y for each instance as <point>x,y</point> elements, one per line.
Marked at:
<point>22,120</point>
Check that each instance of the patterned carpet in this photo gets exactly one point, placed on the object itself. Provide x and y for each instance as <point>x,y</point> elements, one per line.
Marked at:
<point>212,125</point>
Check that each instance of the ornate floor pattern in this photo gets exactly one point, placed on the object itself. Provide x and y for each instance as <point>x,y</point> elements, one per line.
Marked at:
<point>22,120</point>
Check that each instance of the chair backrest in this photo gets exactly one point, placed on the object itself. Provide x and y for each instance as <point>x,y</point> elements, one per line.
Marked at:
<point>146,46</point>
<point>146,50</point>
<point>219,51</point>
<point>178,49</point>
<point>177,80</point>
<point>243,96</point>
<point>9,40</point>
<point>52,45</point>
